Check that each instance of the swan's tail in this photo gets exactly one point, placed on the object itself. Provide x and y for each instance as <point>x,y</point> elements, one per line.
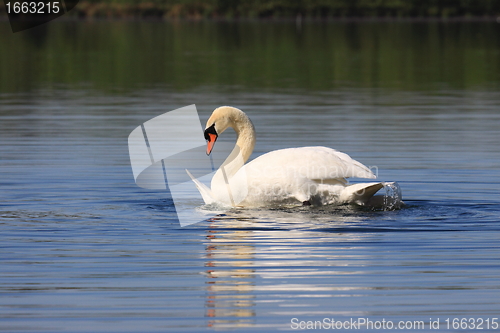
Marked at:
<point>360,193</point>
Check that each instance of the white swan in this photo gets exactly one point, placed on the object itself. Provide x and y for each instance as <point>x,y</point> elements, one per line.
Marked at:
<point>307,175</point>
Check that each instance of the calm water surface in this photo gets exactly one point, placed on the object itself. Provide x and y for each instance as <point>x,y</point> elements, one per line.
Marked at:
<point>85,250</point>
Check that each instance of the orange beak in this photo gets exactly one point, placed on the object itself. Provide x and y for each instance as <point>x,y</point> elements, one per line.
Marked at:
<point>210,142</point>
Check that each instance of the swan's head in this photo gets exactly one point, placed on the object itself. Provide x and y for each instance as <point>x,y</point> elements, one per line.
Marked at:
<point>222,118</point>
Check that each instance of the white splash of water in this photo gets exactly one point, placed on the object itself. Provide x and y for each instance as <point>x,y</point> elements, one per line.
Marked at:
<point>393,198</point>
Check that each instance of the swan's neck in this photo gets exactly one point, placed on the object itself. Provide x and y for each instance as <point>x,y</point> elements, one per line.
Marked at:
<point>245,141</point>
<point>245,133</point>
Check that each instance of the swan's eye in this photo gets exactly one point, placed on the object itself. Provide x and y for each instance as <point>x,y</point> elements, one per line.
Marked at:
<point>210,130</point>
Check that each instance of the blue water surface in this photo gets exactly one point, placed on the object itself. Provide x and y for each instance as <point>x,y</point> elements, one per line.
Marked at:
<point>86,250</point>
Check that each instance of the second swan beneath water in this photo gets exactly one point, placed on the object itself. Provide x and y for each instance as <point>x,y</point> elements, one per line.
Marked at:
<point>306,175</point>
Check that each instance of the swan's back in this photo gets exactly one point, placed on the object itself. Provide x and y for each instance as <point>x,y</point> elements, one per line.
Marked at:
<point>315,163</point>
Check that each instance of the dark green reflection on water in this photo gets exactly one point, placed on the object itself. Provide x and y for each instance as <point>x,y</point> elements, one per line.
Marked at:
<point>111,55</point>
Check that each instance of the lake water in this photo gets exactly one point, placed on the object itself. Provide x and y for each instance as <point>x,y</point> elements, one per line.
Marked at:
<point>86,250</point>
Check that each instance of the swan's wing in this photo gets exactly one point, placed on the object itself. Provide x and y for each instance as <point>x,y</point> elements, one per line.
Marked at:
<point>317,163</point>
<point>205,192</point>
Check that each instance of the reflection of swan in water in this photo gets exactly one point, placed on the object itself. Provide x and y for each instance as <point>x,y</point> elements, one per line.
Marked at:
<point>247,265</point>
<point>230,284</point>
<point>307,175</point>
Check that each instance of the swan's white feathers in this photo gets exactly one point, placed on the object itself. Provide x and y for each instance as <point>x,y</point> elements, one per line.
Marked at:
<point>360,193</point>
<point>319,163</point>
